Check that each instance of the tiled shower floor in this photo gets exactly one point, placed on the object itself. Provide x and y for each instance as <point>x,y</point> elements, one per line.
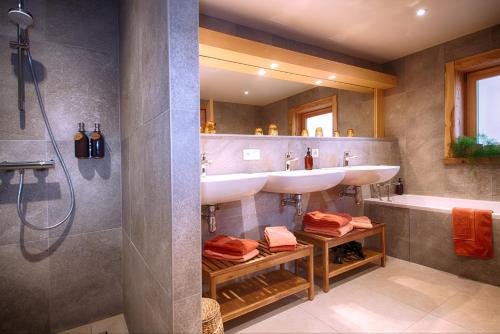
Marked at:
<point>113,325</point>
<point>403,297</point>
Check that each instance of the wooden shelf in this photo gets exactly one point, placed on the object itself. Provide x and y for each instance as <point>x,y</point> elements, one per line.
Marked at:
<point>325,268</point>
<point>465,161</point>
<point>336,269</point>
<point>258,291</point>
<point>262,289</point>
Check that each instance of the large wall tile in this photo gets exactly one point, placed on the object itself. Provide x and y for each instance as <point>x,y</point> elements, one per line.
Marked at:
<point>24,273</point>
<point>91,24</point>
<point>85,278</point>
<point>97,190</point>
<point>431,242</point>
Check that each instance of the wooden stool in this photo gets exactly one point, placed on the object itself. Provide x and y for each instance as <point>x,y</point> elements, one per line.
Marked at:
<point>326,269</point>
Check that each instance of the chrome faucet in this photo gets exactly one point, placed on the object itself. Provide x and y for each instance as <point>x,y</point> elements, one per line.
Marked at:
<point>347,157</point>
<point>288,161</point>
<point>204,164</point>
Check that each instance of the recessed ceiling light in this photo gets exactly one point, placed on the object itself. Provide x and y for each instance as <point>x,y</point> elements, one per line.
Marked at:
<point>246,92</point>
<point>332,77</point>
<point>318,82</point>
<point>261,72</point>
<point>421,12</point>
<point>274,65</point>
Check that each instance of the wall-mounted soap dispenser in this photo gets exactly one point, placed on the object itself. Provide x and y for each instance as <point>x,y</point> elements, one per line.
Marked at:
<point>81,143</point>
<point>97,143</point>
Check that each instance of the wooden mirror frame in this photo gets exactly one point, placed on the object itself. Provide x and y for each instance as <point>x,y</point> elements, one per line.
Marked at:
<point>233,53</point>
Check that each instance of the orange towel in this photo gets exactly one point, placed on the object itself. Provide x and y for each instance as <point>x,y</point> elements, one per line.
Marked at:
<point>361,222</point>
<point>334,232</point>
<point>318,218</point>
<point>230,245</point>
<point>282,248</point>
<point>472,232</point>
<point>232,258</point>
<point>279,236</point>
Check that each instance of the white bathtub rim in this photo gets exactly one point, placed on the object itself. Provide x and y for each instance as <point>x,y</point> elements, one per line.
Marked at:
<point>397,201</point>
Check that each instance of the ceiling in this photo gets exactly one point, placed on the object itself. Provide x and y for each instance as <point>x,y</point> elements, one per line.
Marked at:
<point>228,86</point>
<point>377,30</point>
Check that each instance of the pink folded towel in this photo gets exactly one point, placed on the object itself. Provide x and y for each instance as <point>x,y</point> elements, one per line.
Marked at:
<point>277,236</point>
<point>233,258</point>
<point>334,232</point>
<point>361,222</point>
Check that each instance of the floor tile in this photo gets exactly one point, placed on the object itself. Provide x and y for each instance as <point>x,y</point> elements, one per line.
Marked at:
<point>294,320</point>
<point>352,308</point>
<point>112,325</point>
<point>433,324</point>
<point>85,329</point>
<point>479,313</point>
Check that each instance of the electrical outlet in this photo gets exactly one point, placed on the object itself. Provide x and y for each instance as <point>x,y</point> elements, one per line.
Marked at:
<point>251,154</point>
<point>315,152</point>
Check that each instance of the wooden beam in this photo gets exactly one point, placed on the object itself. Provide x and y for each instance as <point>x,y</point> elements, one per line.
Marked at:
<point>234,49</point>
<point>478,62</point>
<point>378,113</point>
<point>449,108</point>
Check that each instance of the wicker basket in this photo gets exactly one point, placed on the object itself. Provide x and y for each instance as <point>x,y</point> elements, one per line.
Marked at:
<point>211,318</point>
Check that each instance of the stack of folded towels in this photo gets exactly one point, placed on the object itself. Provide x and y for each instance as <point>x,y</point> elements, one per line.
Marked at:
<point>280,239</point>
<point>227,248</point>
<point>333,224</point>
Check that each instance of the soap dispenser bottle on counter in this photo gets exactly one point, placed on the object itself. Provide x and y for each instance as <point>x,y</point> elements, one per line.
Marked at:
<point>97,143</point>
<point>308,160</point>
<point>81,142</point>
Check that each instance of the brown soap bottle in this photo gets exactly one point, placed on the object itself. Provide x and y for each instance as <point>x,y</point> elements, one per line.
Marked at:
<point>308,159</point>
<point>81,143</point>
<point>97,143</point>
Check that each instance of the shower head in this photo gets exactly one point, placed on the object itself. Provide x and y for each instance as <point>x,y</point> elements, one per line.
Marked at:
<point>21,17</point>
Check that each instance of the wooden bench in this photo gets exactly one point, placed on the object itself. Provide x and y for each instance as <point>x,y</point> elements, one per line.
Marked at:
<point>259,290</point>
<point>326,269</point>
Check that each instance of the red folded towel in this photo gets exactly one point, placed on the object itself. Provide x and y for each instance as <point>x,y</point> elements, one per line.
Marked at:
<point>334,232</point>
<point>472,232</point>
<point>318,218</point>
<point>230,245</point>
<point>279,236</point>
<point>361,222</point>
<point>282,248</point>
<point>232,258</point>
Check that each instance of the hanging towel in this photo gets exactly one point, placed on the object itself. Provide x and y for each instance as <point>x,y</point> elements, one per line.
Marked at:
<point>279,236</point>
<point>318,218</point>
<point>230,245</point>
<point>472,232</point>
<point>334,232</point>
<point>361,222</point>
<point>232,258</point>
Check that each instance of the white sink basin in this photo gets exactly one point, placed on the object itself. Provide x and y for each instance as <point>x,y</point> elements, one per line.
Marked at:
<point>302,181</point>
<point>361,175</point>
<point>230,187</point>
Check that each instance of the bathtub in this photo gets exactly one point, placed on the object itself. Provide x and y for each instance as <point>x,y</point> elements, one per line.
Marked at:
<point>437,204</point>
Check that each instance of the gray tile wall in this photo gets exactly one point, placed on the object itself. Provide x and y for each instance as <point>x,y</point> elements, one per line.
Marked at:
<point>414,114</point>
<point>69,276</point>
<point>160,169</point>
<point>247,218</point>
<point>425,237</point>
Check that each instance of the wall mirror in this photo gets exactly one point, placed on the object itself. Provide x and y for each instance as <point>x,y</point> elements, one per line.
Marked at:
<point>253,100</point>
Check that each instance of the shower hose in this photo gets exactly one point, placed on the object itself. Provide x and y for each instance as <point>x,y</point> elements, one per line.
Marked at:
<point>20,212</point>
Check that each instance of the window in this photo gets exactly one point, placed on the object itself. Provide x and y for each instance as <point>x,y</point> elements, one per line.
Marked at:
<point>321,113</point>
<point>472,105</point>
<point>483,109</point>
<point>322,118</point>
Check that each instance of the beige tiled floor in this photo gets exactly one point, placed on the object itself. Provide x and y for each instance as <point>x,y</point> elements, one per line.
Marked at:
<point>113,325</point>
<point>403,297</point>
